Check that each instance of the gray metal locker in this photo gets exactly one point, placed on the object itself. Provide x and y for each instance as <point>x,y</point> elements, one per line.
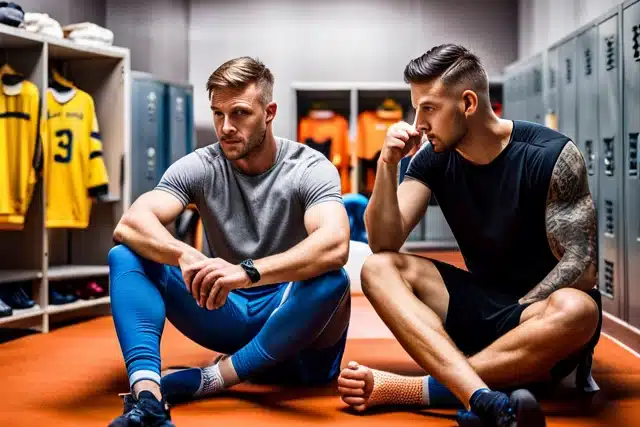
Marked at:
<point>567,96</point>
<point>611,191</point>
<point>180,121</point>
<point>551,93</point>
<point>588,139</point>
<point>631,61</point>
<point>147,141</point>
<point>537,95</point>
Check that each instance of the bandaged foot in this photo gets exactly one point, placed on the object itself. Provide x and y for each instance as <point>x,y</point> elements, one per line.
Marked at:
<point>362,387</point>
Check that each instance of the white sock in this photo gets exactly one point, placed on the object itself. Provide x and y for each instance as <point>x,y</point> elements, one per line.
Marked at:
<point>211,381</point>
<point>425,390</point>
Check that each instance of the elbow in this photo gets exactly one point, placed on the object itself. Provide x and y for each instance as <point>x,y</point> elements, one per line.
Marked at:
<point>124,227</point>
<point>339,253</point>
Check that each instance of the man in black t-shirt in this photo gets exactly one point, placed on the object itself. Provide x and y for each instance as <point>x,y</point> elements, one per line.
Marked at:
<point>516,197</point>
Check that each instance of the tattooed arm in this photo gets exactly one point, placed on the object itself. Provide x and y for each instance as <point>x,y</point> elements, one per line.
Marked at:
<point>571,228</point>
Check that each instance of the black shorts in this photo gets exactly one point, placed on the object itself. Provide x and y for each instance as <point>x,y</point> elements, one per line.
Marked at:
<point>477,316</point>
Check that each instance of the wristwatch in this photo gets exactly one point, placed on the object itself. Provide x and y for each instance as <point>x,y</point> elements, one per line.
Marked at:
<point>251,270</point>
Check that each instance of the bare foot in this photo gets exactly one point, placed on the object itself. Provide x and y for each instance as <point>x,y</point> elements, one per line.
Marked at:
<point>355,384</point>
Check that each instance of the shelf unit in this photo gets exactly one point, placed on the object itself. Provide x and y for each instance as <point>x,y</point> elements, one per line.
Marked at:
<point>432,232</point>
<point>47,257</point>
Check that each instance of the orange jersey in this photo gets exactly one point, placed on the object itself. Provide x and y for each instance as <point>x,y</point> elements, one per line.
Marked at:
<point>330,136</point>
<point>372,128</point>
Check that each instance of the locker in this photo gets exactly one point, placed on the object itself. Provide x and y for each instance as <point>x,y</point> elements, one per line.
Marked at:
<point>611,174</point>
<point>588,139</point>
<point>567,96</point>
<point>180,122</point>
<point>147,142</point>
<point>631,60</point>
<point>551,98</point>
<point>537,96</point>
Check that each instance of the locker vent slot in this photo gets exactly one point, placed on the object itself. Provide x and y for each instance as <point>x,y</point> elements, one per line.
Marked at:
<point>610,53</point>
<point>608,216</point>
<point>636,43</point>
<point>608,278</point>
<point>568,70</point>
<point>588,62</point>
<point>608,156</point>
<point>552,78</point>
<point>591,157</point>
<point>633,154</point>
<point>537,81</point>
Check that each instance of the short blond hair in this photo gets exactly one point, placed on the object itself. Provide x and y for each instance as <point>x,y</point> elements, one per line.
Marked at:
<point>238,73</point>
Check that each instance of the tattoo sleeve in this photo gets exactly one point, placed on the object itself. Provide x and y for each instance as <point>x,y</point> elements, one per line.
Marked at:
<point>571,225</point>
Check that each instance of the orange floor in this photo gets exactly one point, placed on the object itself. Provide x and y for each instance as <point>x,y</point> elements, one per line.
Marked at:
<point>71,377</point>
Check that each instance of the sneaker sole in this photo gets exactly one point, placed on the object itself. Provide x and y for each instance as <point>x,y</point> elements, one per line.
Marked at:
<point>528,411</point>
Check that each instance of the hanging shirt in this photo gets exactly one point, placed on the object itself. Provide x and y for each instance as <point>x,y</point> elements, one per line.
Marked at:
<point>330,136</point>
<point>74,166</point>
<point>19,146</point>
<point>372,128</point>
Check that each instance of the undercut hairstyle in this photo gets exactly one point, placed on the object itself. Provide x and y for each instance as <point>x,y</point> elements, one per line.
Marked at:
<point>239,73</point>
<point>454,64</point>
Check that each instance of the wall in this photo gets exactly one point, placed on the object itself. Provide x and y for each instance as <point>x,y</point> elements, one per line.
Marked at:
<point>543,22</point>
<point>156,32</point>
<point>68,11</point>
<point>333,40</point>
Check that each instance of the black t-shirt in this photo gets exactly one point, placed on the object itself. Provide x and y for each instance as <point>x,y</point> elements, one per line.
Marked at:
<point>497,211</point>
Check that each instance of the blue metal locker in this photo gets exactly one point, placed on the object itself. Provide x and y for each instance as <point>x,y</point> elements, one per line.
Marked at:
<point>180,121</point>
<point>147,127</point>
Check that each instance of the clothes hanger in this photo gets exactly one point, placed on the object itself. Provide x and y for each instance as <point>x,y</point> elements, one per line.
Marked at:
<point>9,76</point>
<point>59,83</point>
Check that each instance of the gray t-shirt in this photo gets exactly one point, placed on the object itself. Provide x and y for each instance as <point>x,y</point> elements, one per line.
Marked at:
<point>253,216</point>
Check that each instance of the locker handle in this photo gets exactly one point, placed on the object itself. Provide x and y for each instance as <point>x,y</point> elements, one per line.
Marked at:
<point>633,154</point>
<point>591,156</point>
<point>608,156</point>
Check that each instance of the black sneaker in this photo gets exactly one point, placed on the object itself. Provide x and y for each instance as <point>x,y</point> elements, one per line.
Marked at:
<point>521,409</point>
<point>146,411</point>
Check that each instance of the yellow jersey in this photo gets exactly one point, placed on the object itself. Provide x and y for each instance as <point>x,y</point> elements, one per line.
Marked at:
<point>19,146</point>
<point>74,166</point>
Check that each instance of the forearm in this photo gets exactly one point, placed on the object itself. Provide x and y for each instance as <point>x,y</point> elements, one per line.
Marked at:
<point>572,271</point>
<point>324,250</point>
<point>382,217</point>
<point>144,234</point>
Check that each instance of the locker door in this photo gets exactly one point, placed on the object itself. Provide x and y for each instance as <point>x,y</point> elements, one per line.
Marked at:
<point>631,59</point>
<point>611,191</point>
<point>538,98</point>
<point>567,113</point>
<point>588,139</point>
<point>179,122</point>
<point>147,144</point>
<point>551,101</point>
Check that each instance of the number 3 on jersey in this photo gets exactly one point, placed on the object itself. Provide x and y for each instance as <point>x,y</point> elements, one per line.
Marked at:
<point>65,142</point>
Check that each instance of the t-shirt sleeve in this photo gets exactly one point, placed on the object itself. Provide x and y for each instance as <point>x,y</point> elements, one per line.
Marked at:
<point>184,178</point>
<point>320,182</point>
<point>422,166</point>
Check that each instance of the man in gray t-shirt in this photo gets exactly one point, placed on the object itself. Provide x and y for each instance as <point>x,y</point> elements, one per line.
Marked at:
<point>273,298</point>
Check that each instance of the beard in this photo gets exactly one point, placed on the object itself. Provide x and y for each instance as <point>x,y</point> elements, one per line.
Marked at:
<point>253,143</point>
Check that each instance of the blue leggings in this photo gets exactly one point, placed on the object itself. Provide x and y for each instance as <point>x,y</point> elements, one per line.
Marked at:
<point>284,333</point>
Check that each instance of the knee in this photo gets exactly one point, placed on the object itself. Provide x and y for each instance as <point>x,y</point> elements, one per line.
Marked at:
<point>373,269</point>
<point>576,310</point>
<point>331,286</point>
<point>119,254</point>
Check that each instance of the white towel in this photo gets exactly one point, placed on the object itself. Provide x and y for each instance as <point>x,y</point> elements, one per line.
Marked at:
<point>89,31</point>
